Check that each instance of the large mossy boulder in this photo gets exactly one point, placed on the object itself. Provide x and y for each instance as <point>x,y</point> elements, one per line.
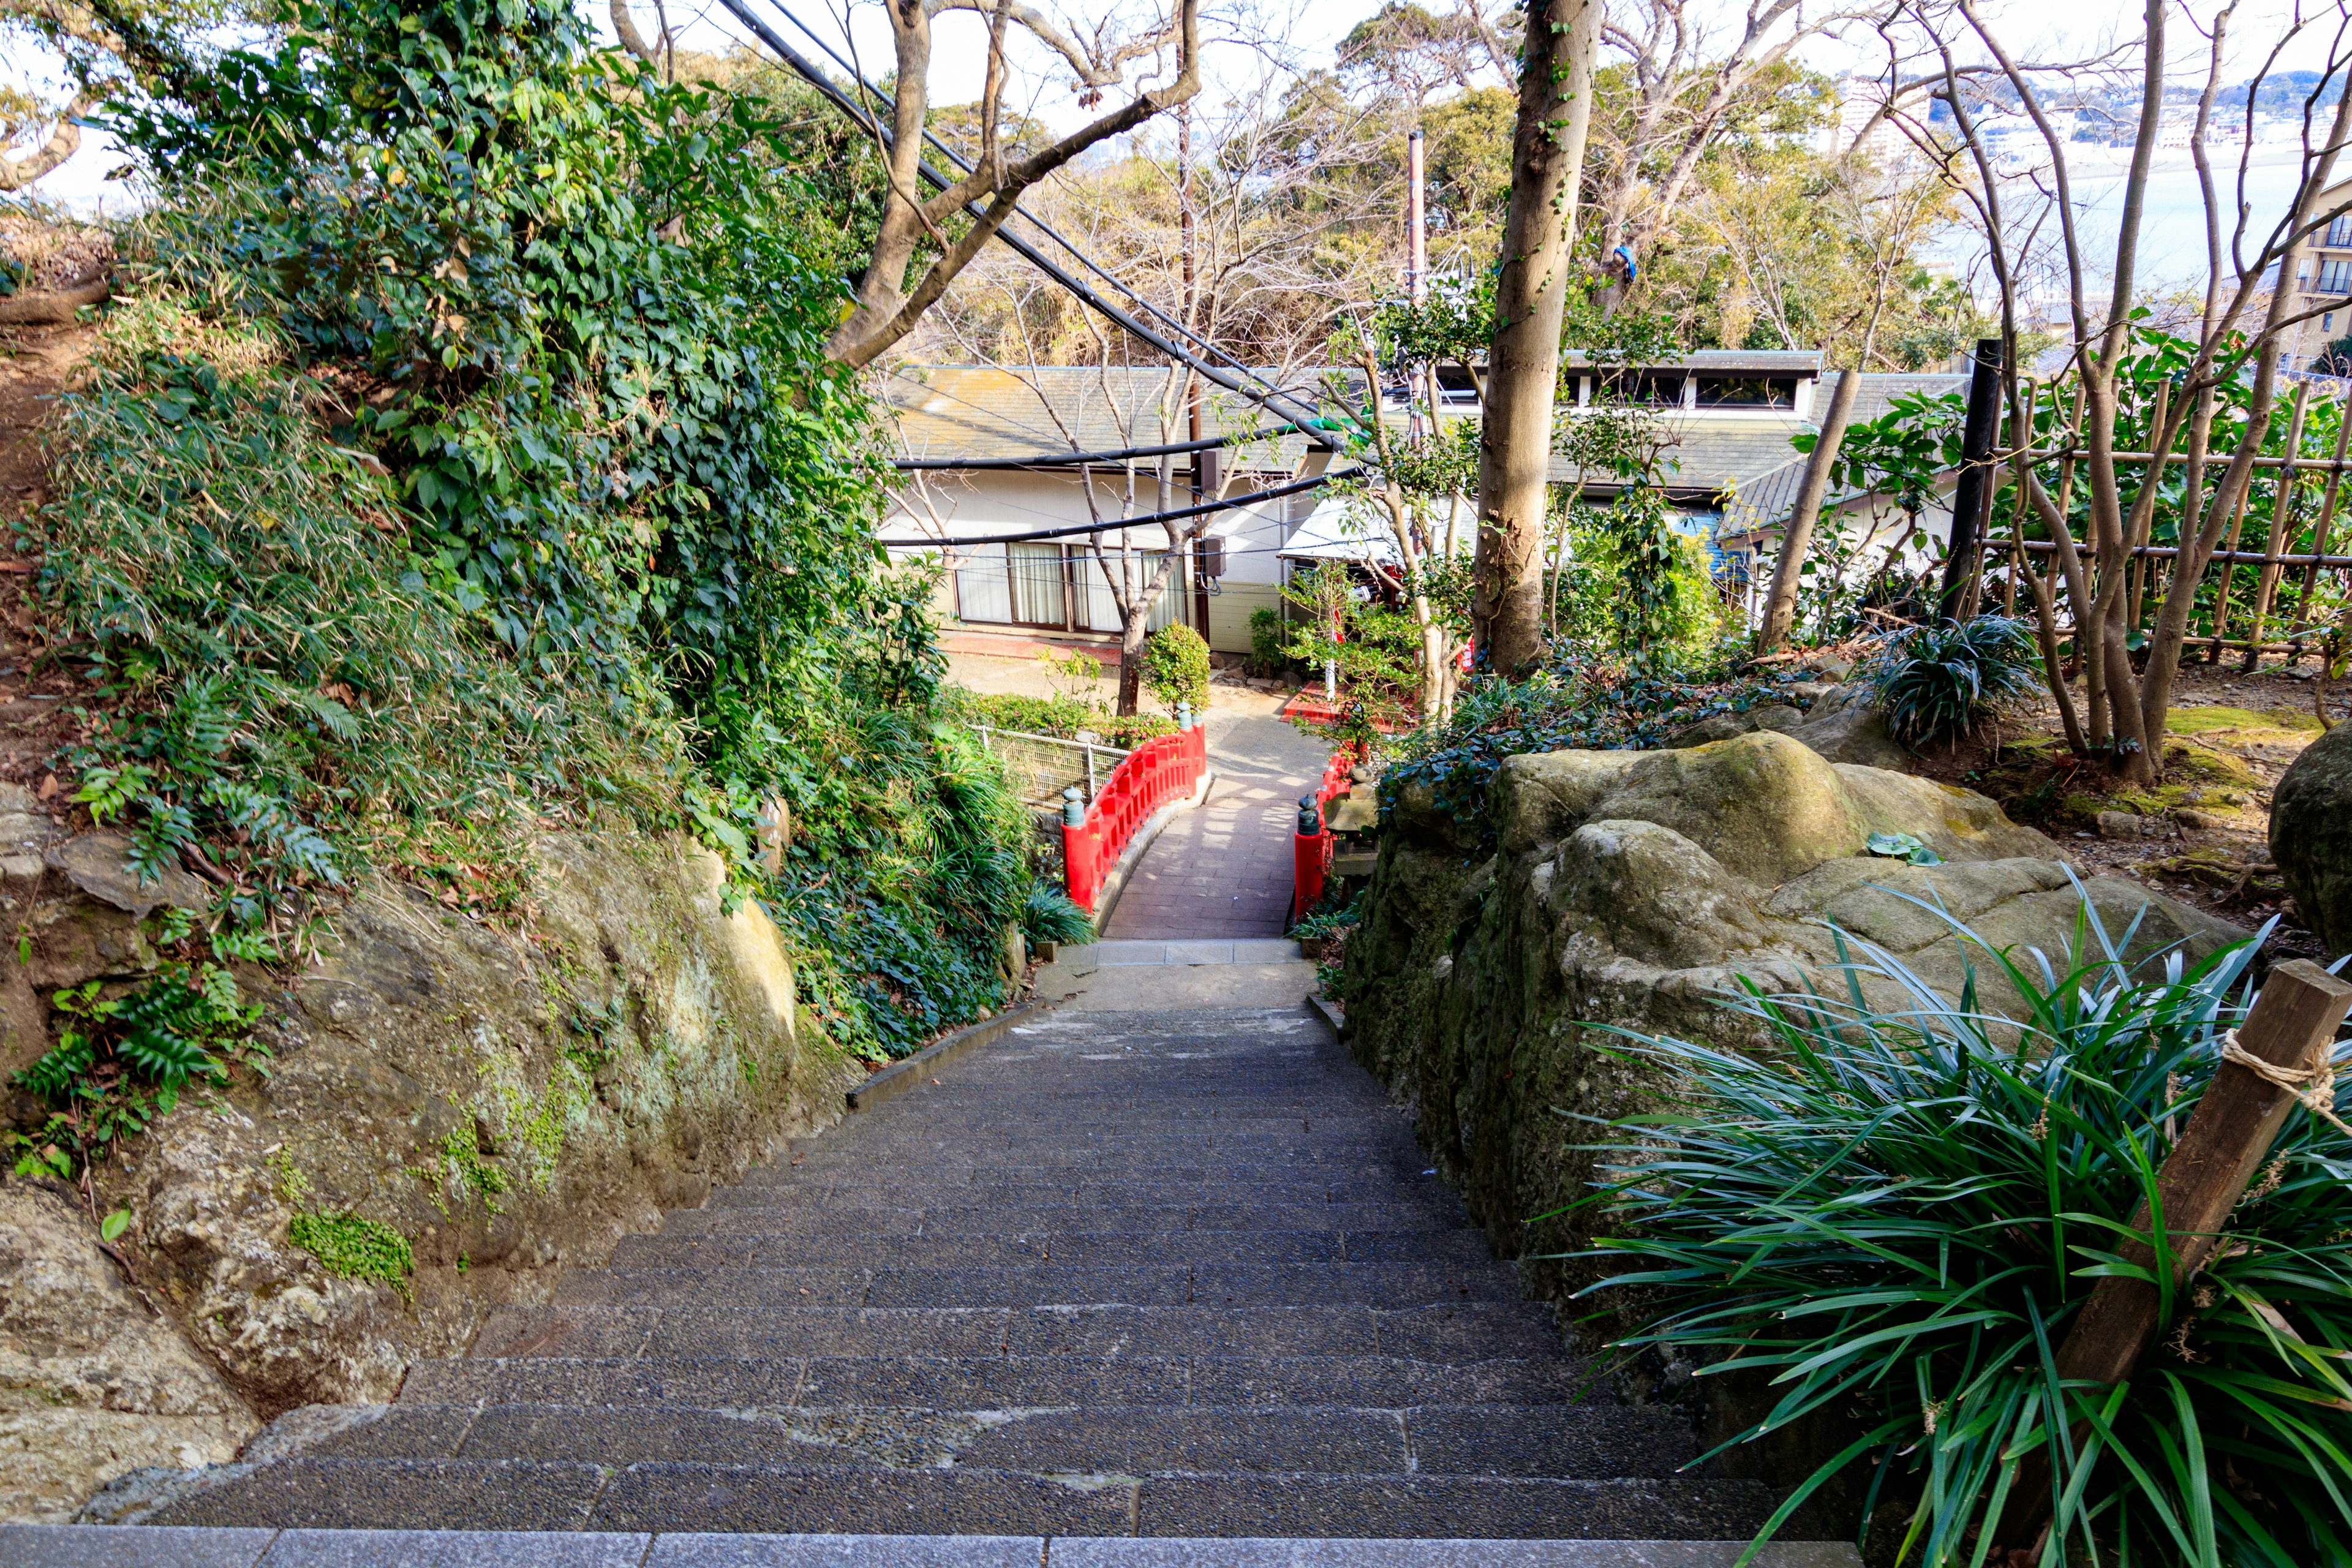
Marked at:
<point>2310,836</point>
<point>1635,892</point>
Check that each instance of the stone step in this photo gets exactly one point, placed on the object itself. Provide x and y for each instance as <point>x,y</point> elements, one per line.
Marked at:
<point>1598,1442</point>
<point>154,1546</point>
<point>988,1382</point>
<point>459,1494</point>
<point>1119,1191</point>
<point>1143,1285</point>
<point>1087,1248</point>
<point>785,1217</point>
<point>1469,1332</point>
<point>1094,1166</point>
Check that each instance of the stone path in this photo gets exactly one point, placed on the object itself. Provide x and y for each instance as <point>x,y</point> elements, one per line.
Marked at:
<point>1224,869</point>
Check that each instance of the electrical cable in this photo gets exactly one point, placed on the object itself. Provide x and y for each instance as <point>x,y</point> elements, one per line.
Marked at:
<point>1072,459</point>
<point>960,162</point>
<point>1275,401</point>
<point>1233,504</point>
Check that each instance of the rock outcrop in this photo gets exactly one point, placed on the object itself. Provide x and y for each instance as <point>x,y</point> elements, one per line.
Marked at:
<point>494,1102</point>
<point>2310,836</point>
<point>1635,892</point>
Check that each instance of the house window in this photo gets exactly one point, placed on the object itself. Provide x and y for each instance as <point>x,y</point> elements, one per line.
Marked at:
<point>1747,391</point>
<point>1642,388</point>
<point>2339,233</point>
<point>2334,277</point>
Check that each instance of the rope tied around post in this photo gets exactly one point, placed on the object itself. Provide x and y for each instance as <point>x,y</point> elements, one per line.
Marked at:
<point>2314,1086</point>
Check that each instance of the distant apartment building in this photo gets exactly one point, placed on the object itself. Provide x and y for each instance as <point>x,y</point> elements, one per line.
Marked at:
<point>2322,283</point>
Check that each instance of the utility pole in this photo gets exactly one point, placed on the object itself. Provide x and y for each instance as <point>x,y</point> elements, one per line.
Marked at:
<point>1202,464</point>
<point>1416,227</point>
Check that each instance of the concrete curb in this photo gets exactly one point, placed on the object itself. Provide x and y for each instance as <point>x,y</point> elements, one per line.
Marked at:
<point>901,1076</point>
<point>1107,899</point>
<point>163,1546</point>
<point>1328,1014</point>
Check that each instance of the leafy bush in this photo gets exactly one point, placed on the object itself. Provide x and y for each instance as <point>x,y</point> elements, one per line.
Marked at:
<point>1579,701</point>
<point>1061,717</point>
<point>1940,682</point>
<point>1896,1216</point>
<point>121,1062</point>
<point>1176,667</point>
<point>1051,915</point>
<point>561,509</point>
<point>1269,637</point>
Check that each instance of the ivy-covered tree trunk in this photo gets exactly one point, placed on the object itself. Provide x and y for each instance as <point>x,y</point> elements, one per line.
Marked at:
<point>1530,300</point>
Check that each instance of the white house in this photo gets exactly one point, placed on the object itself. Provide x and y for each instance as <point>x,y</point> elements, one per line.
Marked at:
<point>998,441</point>
<point>985,453</point>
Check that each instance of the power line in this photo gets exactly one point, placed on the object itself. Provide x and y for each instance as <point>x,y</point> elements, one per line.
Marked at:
<point>1276,400</point>
<point>1233,504</point>
<point>960,162</point>
<point>1073,460</point>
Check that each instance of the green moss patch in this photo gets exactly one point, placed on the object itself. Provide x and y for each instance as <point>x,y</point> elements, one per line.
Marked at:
<point>350,1247</point>
<point>2231,721</point>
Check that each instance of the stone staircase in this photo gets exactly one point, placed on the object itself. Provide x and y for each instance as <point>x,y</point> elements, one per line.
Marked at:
<point>1175,1274</point>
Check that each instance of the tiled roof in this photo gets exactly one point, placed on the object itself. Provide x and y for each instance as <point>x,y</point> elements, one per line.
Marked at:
<point>1717,453</point>
<point>1768,495</point>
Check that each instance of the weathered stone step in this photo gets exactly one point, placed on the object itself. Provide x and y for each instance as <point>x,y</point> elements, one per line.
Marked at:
<point>1093,1165</point>
<point>457,1494</point>
<point>1469,1332</point>
<point>786,1216</point>
<point>1108,1191</point>
<point>1088,1249</point>
<point>151,1546</point>
<point>1053,1284</point>
<point>988,1382</point>
<point>948,1115</point>
<point>1597,1442</point>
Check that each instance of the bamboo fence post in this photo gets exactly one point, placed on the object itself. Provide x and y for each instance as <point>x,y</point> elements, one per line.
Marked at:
<point>2326,520</point>
<point>2151,473</point>
<point>2065,508</point>
<point>2229,576</point>
<point>2281,521</point>
<point>2291,1029</point>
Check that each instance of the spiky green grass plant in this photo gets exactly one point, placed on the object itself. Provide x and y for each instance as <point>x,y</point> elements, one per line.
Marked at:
<point>1940,682</point>
<point>1894,1218</point>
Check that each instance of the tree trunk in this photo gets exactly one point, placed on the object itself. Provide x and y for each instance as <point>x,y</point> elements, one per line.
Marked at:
<point>1530,299</point>
<point>1780,609</point>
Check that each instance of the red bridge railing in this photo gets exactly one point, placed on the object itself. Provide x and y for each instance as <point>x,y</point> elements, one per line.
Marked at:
<point>1163,769</point>
<point>1310,849</point>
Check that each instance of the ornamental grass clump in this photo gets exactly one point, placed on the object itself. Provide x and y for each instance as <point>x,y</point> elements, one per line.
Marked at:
<point>1941,682</point>
<point>1893,1220</point>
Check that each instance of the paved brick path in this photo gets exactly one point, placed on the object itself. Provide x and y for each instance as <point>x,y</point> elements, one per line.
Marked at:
<point>1224,869</point>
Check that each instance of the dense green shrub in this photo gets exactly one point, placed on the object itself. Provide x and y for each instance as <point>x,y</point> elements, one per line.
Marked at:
<point>1059,717</point>
<point>1580,701</point>
<point>1896,1216</point>
<point>1269,640</point>
<point>471,462</point>
<point>1176,667</point>
<point>1940,682</point>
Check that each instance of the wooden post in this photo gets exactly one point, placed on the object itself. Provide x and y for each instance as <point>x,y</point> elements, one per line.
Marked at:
<point>1972,498</point>
<point>2282,523</point>
<point>2292,1026</point>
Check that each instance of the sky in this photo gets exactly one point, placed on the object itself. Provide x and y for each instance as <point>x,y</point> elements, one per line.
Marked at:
<point>1304,34</point>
